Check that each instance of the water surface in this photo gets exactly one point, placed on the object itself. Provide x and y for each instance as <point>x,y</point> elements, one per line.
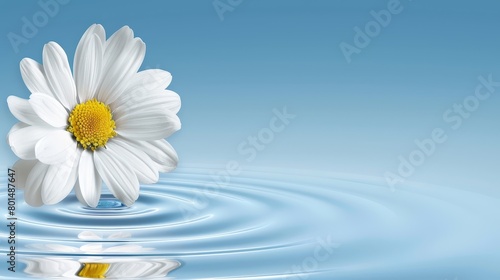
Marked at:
<point>262,225</point>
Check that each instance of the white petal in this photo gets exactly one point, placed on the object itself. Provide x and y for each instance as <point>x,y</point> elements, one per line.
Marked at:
<point>174,101</point>
<point>142,84</point>
<point>118,176</point>
<point>88,235</point>
<point>143,269</point>
<point>15,128</point>
<point>144,167</point>
<point>96,29</point>
<point>91,32</point>
<point>56,147</point>
<point>152,79</point>
<point>92,248</point>
<point>58,73</point>
<point>89,180</point>
<point>145,82</point>
<point>34,77</point>
<point>147,124</point>
<point>137,269</point>
<point>78,193</point>
<point>49,109</point>
<point>156,100</point>
<point>22,110</point>
<point>33,190</point>
<point>60,179</point>
<point>161,152</point>
<point>23,169</point>
<point>123,57</point>
<point>117,43</point>
<point>48,268</point>
<point>23,141</point>
<point>88,63</point>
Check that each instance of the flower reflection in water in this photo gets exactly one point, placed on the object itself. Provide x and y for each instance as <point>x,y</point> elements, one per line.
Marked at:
<point>110,268</point>
<point>97,266</point>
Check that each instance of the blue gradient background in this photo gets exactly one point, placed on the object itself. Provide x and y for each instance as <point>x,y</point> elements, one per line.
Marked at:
<point>353,117</point>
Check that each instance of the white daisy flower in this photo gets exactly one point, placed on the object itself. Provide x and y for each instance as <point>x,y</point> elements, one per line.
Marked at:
<point>105,122</point>
<point>116,268</point>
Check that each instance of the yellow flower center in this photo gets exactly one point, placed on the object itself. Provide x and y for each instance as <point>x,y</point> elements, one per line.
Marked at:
<point>94,270</point>
<point>92,124</point>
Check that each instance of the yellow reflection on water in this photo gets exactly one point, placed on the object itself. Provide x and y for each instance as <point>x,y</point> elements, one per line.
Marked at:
<point>94,270</point>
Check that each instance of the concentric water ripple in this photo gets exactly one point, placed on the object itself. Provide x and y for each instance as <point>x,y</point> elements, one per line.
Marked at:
<point>263,226</point>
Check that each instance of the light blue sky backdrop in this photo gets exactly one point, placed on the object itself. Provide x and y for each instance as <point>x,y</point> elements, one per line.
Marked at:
<point>232,69</point>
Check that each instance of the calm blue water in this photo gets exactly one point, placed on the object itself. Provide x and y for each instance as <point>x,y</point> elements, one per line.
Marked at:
<point>264,225</point>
